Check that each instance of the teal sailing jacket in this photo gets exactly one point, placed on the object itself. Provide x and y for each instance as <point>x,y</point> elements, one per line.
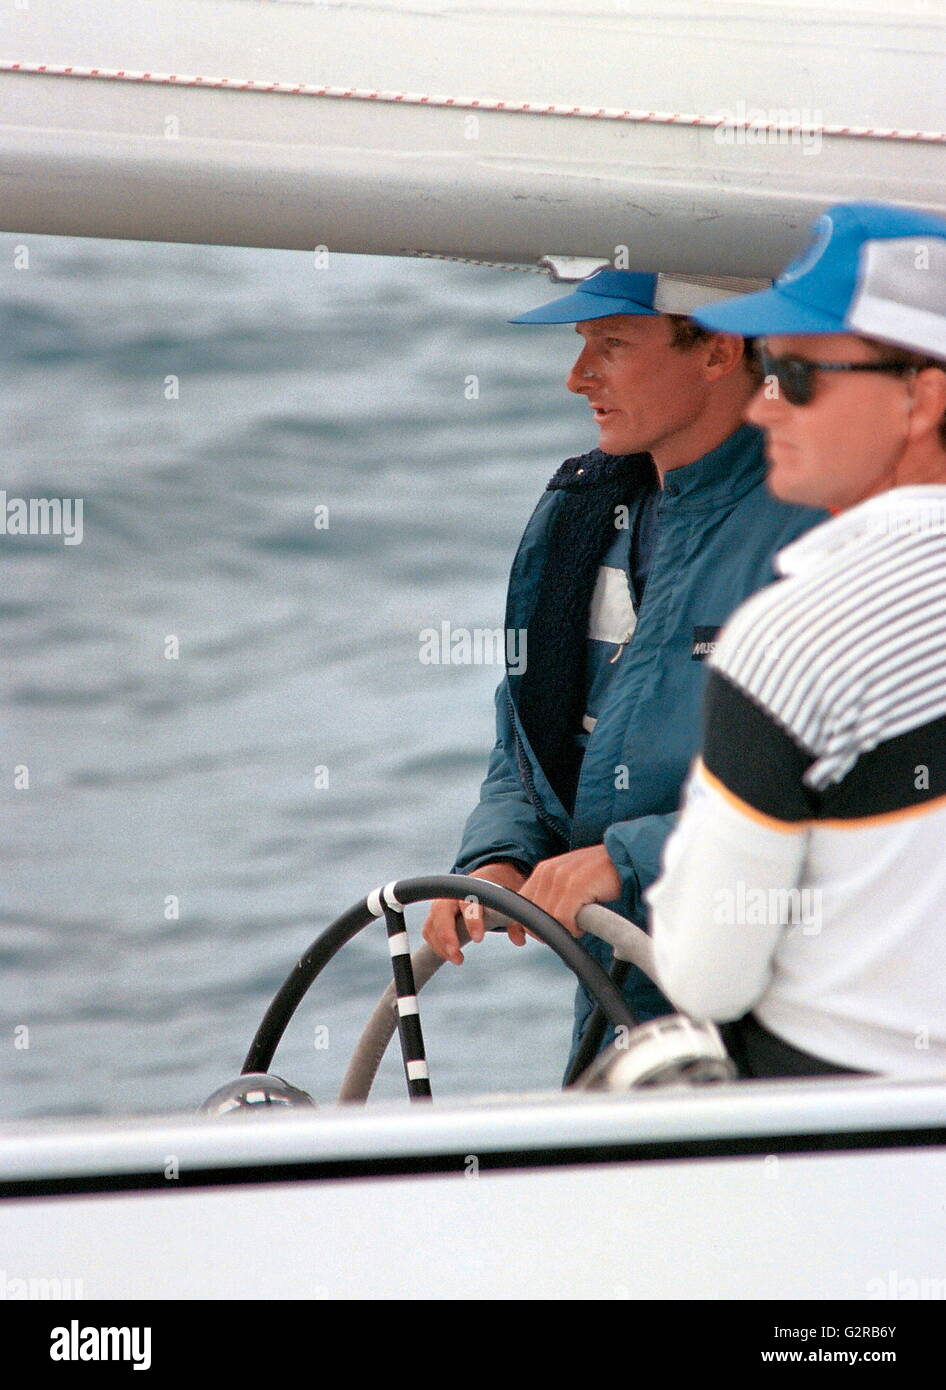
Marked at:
<point>718,529</point>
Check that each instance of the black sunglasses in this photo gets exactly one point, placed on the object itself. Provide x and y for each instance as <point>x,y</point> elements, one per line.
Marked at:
<point>796,376</point>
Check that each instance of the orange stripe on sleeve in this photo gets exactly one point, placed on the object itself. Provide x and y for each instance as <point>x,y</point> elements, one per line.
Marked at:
<point>792,827</point>
<point>750,812</point>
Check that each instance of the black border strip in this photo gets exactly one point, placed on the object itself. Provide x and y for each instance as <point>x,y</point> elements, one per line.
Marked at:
<point>454,1164</point>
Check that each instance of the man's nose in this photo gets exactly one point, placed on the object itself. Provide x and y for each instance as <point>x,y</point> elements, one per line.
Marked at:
<point>581,377</point>
<point>766,405</point>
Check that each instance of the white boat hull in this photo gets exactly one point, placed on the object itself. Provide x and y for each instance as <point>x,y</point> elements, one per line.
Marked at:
<point>819,1189</point>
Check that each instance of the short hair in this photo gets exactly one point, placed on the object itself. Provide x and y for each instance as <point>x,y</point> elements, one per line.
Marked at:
<point>908,358</point>
<point>685,333</point>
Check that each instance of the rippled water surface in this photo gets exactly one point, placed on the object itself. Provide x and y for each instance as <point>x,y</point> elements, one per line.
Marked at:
<point>204,402</point>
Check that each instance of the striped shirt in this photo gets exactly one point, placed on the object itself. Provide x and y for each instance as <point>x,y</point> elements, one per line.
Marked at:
<point>806,880</point>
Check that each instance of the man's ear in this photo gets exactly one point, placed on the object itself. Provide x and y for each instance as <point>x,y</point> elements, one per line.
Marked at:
<point>929,402</point>
<point>725,352</point>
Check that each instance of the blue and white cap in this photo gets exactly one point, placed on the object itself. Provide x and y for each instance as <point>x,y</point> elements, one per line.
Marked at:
<point>870,268</point>
<point>631,292</point>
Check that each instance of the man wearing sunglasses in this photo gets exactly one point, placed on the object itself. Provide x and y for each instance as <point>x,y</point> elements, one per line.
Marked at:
<point>801,898</point>
<point>635,555</point>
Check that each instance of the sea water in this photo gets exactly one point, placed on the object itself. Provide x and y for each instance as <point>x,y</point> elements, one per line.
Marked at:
<point>219,732</point>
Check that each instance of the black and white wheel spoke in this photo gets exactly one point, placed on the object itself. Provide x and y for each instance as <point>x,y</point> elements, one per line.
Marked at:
<point>408,1011</point>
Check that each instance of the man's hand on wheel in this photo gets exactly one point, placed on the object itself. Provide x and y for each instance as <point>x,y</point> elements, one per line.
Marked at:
<point>565,884</point>
<point>440,928</point>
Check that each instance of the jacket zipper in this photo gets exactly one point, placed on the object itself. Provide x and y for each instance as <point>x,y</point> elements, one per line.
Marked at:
<point>640,599</point>
<point>526,774</point>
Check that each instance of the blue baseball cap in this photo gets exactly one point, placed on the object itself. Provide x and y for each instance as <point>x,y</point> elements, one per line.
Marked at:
<point>631,292</point>
<point>869,268</point>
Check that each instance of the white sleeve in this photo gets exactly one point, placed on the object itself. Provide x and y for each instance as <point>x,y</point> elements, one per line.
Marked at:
<point>720,905</point>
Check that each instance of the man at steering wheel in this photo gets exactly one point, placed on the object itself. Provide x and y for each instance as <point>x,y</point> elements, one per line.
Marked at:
<point>634,557</point>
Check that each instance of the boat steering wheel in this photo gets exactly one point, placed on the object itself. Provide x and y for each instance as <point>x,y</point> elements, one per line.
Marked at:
<point>389,902</point>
